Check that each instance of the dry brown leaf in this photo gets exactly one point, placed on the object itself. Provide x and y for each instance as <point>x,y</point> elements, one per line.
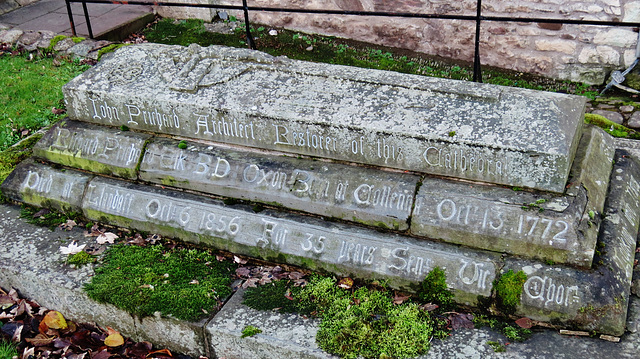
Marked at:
<point>106,237</point>
<point>68,225</point>
<point>525,323</point>
<point>400,298</point>
<point>345,283</point>
<point>239,260</point>
<point>55,320</point>
<point>429,307</point>
<point>195,281</point>
<point>29,353</point>
<point>40,340</point>
<point>114,338</point>
<point>6,302</point>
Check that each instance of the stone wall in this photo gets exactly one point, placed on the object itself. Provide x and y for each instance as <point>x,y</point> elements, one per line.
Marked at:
<point>575,52</point>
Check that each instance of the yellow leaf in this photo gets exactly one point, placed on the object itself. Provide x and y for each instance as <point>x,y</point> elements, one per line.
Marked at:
<point>114,339</point>
<point>55,320</point>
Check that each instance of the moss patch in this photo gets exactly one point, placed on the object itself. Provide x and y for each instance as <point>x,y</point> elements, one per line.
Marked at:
<point>250,331</point>
<point>433,289</point>
<point>10,157</point>
<point>186,284</point>
<point>107,49</point>
<point>358,323</point>
<point>46,217</point>
<point>80,259</point>
<point>610,127</point>
<point>271,296</point>
<point>508,290</point>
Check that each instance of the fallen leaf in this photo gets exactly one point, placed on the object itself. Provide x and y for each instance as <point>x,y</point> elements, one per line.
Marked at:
<point>6,301</point>
<point>429,307</point>
<point>68,225</point>
<point>153,238</point>
<point>55,320</point>
<point>250,283</point>
<point>239,260</point>
<point>40,340</point>
<point>72,248</point>
<point>106,237</point>
<point>287,294</point>
<point>399,298</point>
<point>461,320</point>
<point>137,240</point>
<point>29,353</point>
<point>525,323</point>
<point>41,213</point>
<point>113,339</point>
<point>160,352</point>
<point>345,283</point>
<point>95,249</point>
<point>147,286</point>
<point>243,272</point>
<point>195,281</point>
<point>58,111</point>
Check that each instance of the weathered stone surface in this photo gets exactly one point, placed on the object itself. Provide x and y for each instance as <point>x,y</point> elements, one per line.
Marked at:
<point>179,335</point>
<point>283,335</point>
<point>634,120</point>
<point>393,120</point>
<point>95,148</point>
<point>610,115</point>
<point>596,299</point>
<point>379,198</point>
<point>43,186</point>
<point>288,238</point>
<point>536,225</point>
<point>620,37</point>
<point>11,36</point>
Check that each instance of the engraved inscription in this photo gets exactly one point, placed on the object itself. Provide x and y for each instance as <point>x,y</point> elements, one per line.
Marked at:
<point>459,160</point>
<point>38,182</point>
<point>547,293</point>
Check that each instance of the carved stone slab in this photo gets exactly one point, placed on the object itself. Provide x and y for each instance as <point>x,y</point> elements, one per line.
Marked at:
<point>288,238</point>
<point>595,299</point>
<point>95,148</point>
<point>562,229</point>
<point>44,186</point>
<point>379,198</point>
<point>507,136</point>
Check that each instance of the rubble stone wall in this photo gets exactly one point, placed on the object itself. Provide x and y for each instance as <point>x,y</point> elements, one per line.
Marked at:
<point>575,52</point>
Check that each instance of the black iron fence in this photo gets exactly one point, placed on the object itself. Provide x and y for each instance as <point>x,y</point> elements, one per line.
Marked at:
<point>478,18</point>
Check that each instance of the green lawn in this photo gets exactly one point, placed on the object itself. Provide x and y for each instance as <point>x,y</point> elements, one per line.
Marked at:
<point>30,89</point>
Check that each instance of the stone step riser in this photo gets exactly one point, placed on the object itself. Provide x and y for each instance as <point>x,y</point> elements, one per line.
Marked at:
<point>568,293</point>
<point>549,227</point>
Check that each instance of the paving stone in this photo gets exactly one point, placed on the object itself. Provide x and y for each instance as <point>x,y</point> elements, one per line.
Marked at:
<point>610,115</point>
<point>82,48</point>
<point>627,108</point>
<point>535,225</point>
<point>11,36</point>
<point>29,40</point>
<point>98,149</point>
<point>64,44</point>
<point>357,115</point>
<point>378,198</point>
<point>634,120</point>
<point>283,335</point>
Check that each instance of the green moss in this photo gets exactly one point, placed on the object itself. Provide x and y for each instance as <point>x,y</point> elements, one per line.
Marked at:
<point>609,126</point>
<point>433,289</point>
<point>56,39</point>
<point>77,39</point>
<point>356,323</point>
<point>509,288</point>
<point>184,283</point>
<point>182,144</point>
<point>51,219</point>
<point>272,296</point>
<point>511,332</point>
<point>124,128</point>
<point>109,48</point>
<point>250,331</point>
<point>452,133</point>
<point>10,157</point>
<point>80,259</point>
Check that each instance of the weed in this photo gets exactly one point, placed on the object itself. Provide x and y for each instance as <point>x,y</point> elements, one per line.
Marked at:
<point>184,283</point>
<point>250,331</point>
<point>497,347</point>
<point>7,350</point>
<point>509,288</point>
<point>513,333</point>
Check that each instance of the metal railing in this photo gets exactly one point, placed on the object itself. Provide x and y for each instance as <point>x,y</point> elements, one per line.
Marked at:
<point>478,18</point>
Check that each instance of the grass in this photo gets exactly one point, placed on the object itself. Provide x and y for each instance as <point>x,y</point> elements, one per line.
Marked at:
<point>10,157</point>
<point>7,350</point>
<point>329,49</point>
<point>187,284</point>
<point>30,89</point>
<point>51,218</point>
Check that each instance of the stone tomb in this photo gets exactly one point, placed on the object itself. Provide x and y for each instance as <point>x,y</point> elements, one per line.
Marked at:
<point>334,169</point>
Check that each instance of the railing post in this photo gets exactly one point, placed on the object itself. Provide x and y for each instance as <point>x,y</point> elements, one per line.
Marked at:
<point>73,26</point>
<point>477,67</point>
<point>87,19</point>
<point>250,42</point>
